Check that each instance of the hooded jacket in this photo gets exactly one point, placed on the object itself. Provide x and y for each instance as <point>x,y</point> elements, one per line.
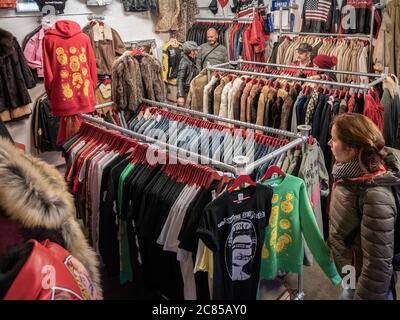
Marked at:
<point>362,229</point>
<point>69,69</point>
<point>15,76</point>
<point>35,204</point>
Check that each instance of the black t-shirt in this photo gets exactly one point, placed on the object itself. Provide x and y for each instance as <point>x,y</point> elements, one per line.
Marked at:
<point>59,5</point>
<point>235,230</point>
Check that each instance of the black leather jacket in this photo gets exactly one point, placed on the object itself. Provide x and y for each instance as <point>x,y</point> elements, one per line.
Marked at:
<point>141,5</point>
<point>187,71</point>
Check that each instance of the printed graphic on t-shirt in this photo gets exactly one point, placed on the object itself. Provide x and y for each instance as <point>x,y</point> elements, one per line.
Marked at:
<point>240,249</point>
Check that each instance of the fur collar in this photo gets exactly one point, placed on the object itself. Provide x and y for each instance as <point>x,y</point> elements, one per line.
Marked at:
<point>6,43</point>
<point>34,194</point>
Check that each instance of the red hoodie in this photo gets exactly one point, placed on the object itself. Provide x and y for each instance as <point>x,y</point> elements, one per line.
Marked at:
<point>70,71</point>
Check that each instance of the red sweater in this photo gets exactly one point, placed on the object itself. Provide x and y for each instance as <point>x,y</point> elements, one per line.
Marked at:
<point>70,71</point>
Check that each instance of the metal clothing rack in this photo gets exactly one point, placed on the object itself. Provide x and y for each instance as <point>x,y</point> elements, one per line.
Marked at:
<point>370,37</point>
<point>240,167</point>
<point>41,15</point>
<point>224,19</point>
<point>363,86</point>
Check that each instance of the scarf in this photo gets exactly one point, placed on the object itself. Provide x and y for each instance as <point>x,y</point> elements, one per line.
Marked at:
<point>347,170</point>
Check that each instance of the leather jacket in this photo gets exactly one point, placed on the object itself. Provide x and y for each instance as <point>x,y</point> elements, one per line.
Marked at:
<point>186,72</point>
<point>141,5</point>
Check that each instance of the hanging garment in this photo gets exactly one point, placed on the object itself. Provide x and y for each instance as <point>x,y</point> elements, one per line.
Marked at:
<point>187,12</point>
<point>388,43</point>
<point>58,5</point>
<point>291,217</point>
<point>357,15</point>
<point>15,76</point>
<point>320,16</point>
<point>172,54</point>
<point>70,69</point>
<point>107,45</point>
<point>233,229</point>
<point>33,50</point>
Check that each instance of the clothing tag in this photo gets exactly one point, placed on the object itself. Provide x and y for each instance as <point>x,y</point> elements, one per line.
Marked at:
<point>159,118</point>
<point>105,90</point>
<point>213,194</point>
<point>240,197</point>
<point>115,206</point>
<point>147,115</point>
<point>140,115</point>
<point>104,195</point>
<point>273,185</point>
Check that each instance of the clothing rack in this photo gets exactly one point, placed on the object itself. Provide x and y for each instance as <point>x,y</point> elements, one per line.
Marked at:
<point>285,66</point>
<point>365,86</point>
<point>375,7</point>
<point>241,167</point>
<point>41,15</point>
<point>224,19</point>
<point>161,144</point>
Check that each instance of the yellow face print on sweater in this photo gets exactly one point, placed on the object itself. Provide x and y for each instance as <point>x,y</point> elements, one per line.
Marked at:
<point>67,92</point>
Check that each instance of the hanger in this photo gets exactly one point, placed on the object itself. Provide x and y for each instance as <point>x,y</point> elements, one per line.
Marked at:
<point>272,170</point>
<point>241,180</point>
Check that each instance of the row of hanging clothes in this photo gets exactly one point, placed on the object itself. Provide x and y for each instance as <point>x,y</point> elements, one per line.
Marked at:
<point>242,39</point>
<point>145,219</point>
<point>283,104</point>
<point>216,141</point>
<point>351,53</point>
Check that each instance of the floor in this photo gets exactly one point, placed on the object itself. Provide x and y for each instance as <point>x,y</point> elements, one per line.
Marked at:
<point>317,286</point>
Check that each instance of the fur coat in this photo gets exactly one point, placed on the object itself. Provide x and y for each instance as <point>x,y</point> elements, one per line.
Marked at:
<point>134,80</point>
<point>15,76</point>
<point>35,204</point>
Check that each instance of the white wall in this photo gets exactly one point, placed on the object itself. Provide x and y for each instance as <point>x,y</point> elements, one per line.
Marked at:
<point>130,26</point>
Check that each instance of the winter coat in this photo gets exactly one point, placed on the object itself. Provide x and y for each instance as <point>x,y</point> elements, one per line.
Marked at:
<point>362,216</point>
<point>107,46</point>
<point>194,99</point>
<point>287,109</point>
<point>35,204</point>
<point>168,16</point>
<point>70,73</point>
<point>243,102</point>
<point>134,80</point>
<point>187,71</point>
<point>127,85</point>
<point>388,43</point>
<point>15,75</point>
<point>151,71</point>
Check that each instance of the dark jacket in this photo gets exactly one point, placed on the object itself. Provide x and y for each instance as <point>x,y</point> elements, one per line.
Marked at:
<point>362,218</point>
<point>186,72</point>
<point>141,5</point>
<point>15,75</point>
<point>356,17</point>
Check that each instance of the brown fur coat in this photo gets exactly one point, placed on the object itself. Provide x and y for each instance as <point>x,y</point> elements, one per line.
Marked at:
<point>34,199</point>
<point>134,80</point>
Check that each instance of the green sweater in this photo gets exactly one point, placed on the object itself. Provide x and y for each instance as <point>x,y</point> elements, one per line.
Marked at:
<point>292,215</point>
